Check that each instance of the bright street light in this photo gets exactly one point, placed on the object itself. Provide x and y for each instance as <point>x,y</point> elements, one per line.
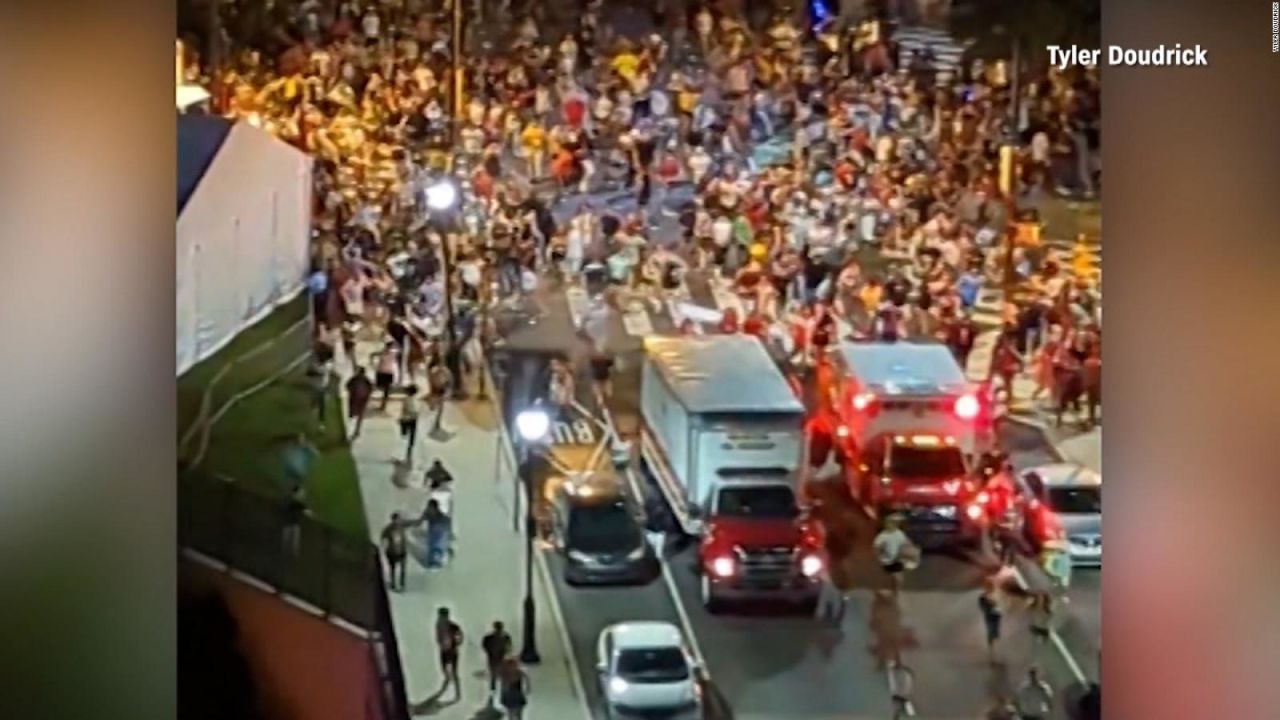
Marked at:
<point>442,195</point>
<point>533,424</point>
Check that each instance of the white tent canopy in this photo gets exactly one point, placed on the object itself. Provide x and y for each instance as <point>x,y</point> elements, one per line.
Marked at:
<point>242,241</point>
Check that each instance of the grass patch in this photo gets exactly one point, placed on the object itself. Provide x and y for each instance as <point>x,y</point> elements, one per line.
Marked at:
<point>192,384</point>
<point>247,444</point>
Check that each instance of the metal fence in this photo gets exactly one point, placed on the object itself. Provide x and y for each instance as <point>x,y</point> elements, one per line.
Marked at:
<point>338,575</point>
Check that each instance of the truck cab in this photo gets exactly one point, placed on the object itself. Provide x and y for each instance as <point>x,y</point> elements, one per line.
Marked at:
<point>722,440</point>
<point>758,544</point>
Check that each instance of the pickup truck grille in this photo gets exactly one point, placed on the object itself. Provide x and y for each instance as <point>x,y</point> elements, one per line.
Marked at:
<point>766,567</point>
<point>928,519</point>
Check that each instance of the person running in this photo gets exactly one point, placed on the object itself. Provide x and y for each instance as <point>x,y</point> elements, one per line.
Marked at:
<point>895,552</point>
<point>497,647</point>
<point>359,392</point>
<point>514,689</point>
<point>449,639</point>
<point>410,408</point>
<point>992,614</point>
<point>386,364</point>
<point>395,547</point>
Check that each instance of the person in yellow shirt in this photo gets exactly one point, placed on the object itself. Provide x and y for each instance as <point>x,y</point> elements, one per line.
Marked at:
<point>533,139</point>
<point>626,63</point>
<point>870,294</point>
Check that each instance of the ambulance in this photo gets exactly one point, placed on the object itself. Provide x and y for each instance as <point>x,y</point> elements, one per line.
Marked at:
<point>906,425</point>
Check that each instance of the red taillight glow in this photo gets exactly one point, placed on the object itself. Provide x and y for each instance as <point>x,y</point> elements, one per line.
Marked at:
<point>974,511</point>
<point>967,407</point>
<point>842,431</point>
<point>983,498</point>
<point>722,566</point>
<point>862,401</point>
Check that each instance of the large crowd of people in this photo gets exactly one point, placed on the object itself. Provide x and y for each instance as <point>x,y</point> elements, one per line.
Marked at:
<point>830,186</point>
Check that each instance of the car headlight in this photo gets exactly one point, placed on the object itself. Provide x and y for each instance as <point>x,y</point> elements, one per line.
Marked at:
<point>579,557</point>
<point>810,565</point>
<point>637,554</point>
<point>617,685</point>
<point>945,511</point>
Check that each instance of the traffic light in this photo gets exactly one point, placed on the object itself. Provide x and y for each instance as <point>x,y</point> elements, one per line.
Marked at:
<point>1083,263</point>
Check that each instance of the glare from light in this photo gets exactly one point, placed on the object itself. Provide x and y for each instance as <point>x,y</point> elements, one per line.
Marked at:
<point>862,401</point>
<point>442,195</point>
<point>722,567</point>
<point>810,565</point>
<point>617,685</point>
<point>967,407</point>
<point>533,424</point>
<point>974,512</point>
<point>842,431</point>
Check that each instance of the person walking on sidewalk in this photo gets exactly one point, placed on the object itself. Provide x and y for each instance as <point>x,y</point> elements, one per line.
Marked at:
<point>440,380</point>
<point>410,407</point>
<point>449,639</point>
<point>439,533</point>
<point>497,648</point>
<point>437,476</point>
<point>359,391</point>
<point>385,364</point>
<point>395,547</point>
<point>989,606</point>
<point>319,382</point>
<point>514,693</point>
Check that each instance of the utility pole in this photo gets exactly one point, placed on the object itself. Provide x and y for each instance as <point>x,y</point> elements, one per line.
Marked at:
<point>1009,175</point>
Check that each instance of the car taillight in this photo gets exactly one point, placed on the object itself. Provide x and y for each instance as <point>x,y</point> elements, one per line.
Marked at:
<point>967,407</point>
<point>862,401</point>
<point>722,566</point>
<point>810,565</point>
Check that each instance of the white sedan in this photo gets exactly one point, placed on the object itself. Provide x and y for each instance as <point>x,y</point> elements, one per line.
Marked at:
<point>646,670</point>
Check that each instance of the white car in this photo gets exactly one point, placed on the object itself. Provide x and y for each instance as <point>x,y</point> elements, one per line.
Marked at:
<point>1074,493</point>
<point>647,671</point>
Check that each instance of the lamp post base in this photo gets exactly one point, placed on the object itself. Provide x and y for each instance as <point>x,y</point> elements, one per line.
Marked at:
<point>529,653</point>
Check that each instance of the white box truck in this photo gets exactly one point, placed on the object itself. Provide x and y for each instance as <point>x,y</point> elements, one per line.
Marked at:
<point>722,437</point>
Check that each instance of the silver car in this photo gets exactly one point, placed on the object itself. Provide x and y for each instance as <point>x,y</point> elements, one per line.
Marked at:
<point>1074,493</point>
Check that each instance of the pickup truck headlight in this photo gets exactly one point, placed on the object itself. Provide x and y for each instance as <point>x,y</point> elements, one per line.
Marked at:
<point>810,565</point>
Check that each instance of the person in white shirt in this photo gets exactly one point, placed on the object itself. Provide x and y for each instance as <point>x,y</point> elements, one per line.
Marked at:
<point>699,164</point>
<point>894,551</point>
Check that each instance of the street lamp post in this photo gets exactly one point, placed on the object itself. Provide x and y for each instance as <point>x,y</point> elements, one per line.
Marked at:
<point>532,425</point>
<point>442,203</point>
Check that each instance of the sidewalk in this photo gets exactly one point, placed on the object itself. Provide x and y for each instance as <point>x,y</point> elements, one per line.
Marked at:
<point>485,582</point>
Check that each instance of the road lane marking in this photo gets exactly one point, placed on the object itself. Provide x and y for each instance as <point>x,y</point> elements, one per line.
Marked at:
<point>1054,637</point>
<point>667,578</point>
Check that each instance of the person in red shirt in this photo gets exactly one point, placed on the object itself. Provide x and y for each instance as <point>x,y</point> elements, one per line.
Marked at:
<point>754,325</point>
<point>574,110</point>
